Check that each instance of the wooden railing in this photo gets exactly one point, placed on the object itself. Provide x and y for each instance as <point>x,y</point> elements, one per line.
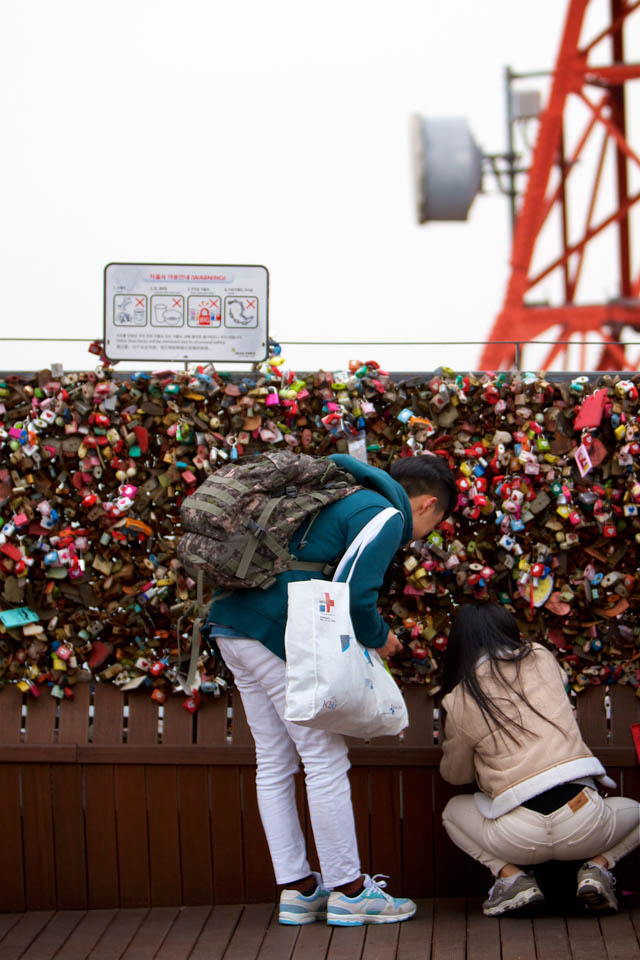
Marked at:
<point>110,800</point>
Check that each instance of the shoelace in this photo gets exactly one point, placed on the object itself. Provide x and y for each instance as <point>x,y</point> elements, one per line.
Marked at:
<point>378,884</point>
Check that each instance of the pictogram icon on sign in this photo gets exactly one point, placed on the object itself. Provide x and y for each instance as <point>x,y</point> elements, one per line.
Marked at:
<point>240,311</point>
<point>204,312</point>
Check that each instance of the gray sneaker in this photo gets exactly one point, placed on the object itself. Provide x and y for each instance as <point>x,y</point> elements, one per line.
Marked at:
<point>595,887</point>
<point>505,897</point>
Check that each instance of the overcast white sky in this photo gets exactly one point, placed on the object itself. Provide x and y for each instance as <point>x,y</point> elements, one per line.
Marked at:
<point>272,132</point>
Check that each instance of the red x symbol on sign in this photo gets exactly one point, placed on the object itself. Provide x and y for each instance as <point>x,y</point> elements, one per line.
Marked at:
<point>250,303</point>
<point>177,301</point>
<point>329,602</point>
<point>139,301</point>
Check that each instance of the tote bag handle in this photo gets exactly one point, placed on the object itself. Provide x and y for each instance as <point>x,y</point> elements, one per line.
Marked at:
<point>368,533</point>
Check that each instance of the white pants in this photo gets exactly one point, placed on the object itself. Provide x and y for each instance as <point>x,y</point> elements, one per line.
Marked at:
<point>609,827</point>
<point>260,679</point>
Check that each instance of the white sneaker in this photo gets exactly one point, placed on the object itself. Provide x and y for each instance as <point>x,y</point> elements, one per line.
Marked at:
<point>595,887</point>
<point>373,905</point>
<point>507,895</point>
<point>298,909</point>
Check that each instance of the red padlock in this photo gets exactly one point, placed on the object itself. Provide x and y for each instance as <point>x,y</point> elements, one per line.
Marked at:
<point>192,703</point>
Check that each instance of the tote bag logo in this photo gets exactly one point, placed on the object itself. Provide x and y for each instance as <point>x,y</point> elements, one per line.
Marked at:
<point>326,603</point>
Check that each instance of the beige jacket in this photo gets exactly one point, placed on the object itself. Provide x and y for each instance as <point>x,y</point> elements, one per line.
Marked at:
<point>508,773</point>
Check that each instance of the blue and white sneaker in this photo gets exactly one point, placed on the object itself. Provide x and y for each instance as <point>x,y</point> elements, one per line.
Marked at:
<point>373,905</point>
<point>296,909</point>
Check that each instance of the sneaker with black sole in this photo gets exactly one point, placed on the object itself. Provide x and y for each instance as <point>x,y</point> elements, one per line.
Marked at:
<point>371,905</point>
<point>298,909</point>
<point>508,895</point>
<point>595,887</point>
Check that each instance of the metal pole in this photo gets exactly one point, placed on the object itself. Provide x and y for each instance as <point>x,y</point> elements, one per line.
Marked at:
<point>619,119</point>
<point>511,159</point>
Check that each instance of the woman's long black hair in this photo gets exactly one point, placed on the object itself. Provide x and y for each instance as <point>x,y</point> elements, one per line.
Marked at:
<point>486,630</point>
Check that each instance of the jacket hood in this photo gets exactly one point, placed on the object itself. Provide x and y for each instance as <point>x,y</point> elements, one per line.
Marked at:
<point>375,479</point>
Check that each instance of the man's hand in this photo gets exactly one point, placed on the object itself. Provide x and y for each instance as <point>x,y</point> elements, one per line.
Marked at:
<point>391,647</point>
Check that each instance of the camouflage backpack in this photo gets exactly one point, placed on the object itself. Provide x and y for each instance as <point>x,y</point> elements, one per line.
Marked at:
<point>239,522</point>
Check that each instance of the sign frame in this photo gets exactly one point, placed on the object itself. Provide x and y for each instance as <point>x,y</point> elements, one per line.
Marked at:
<point>184,266</point>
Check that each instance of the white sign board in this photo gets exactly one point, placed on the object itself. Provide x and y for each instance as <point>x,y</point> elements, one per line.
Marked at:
<point>187,312</point>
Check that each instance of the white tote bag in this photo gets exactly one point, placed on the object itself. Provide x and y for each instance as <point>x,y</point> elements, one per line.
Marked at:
<point>333,682</point>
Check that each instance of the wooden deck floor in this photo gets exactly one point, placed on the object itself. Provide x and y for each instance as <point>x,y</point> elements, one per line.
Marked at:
<point>441,930</point>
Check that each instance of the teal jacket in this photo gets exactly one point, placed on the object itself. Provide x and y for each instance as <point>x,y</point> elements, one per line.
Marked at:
<point>262,614</point>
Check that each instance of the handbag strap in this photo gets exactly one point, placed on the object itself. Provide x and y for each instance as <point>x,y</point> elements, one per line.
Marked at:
<point>368,533</point>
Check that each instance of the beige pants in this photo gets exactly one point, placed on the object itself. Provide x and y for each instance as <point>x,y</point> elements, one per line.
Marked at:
<point>610,828</point>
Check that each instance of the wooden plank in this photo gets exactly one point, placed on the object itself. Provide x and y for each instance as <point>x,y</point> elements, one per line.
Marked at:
<point>164,836</point>
<point>41,718</point>
<point>250,932</point>
<point>419,733</point>
<point>359,780</point>
<point>108,704</point>
<point>211,721</point>
<point>381,941</point>
<point>54,936</point>
<point>151,933</point>
<point>39,861</point>
<point>74,716</point>
<point>230,755</point>
<point>585,938</point>
<point>132,833</point>
<point>619,937</point>
<point>87,934</point>
<point>118,935</point>
<point>483,933</point>
<point>177,726</point>
<point>23,933</point>
<point>591,716</point>
<point>142,726</point>
<point>101,839</point>
<point>516,937</point>
<point>7,922</point>
<point>346,943</point>
<point>69,837</point>
<point>184,933</point>
<point>195,836</point>
<point>216,933</point>
<point>386,842</point>
<point>416,934</point>
<point>259,879</point>
<point>279,942</point>
<point>449,929</point>
<point>634,913</point>
<point>313,942</point>
<point>11,714</point>
<point>551,939</point>
<point>625,710</point>
<point>456,872</point>
<point>628,869</point>
<point>417,833</point>
<point>12,894</point>
<point>240,730</point>
<point>226,835</point>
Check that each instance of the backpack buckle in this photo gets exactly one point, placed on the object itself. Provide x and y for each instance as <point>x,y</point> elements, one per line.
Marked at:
<point>255,528</point>
<point>291,491</point>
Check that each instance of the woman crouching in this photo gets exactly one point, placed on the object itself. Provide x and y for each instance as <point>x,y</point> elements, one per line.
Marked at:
<point>511,728</point>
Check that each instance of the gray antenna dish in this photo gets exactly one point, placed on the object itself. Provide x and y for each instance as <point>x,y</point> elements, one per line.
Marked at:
<point>447,167</point>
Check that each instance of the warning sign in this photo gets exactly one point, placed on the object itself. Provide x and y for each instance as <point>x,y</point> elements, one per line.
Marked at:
<point>186,312</point>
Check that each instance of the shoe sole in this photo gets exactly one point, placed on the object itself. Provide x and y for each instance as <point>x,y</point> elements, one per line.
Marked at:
<point>298,920</point>
<point>359,919</point>
<point>593,896</point>
<point>526,898</point>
